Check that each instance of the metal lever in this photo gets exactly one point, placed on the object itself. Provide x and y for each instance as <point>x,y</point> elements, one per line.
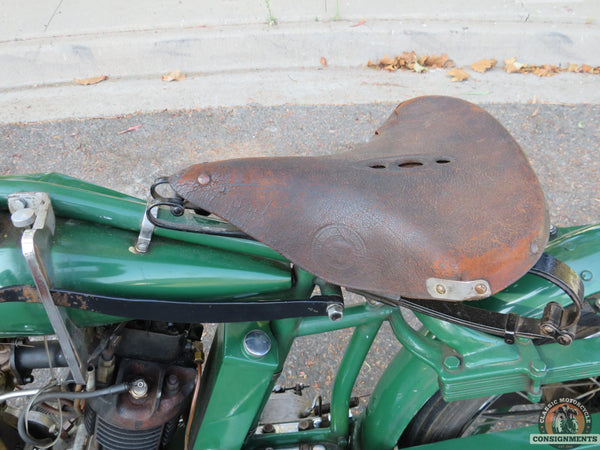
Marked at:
<point>34,209</point>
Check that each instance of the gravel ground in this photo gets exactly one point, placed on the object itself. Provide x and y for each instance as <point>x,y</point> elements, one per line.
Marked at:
<point>560,140</point>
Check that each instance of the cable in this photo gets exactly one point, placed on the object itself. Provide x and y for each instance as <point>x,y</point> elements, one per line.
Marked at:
<point>17,394</point>
<point>42,397</point>
<point>34,401</point>
<point>188,427</point>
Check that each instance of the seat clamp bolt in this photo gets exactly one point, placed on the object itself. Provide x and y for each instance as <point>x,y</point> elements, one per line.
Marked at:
<point>440,289</point>
<point>481,288</point>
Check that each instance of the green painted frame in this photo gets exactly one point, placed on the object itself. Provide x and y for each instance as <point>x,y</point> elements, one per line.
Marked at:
<point>235,387</point>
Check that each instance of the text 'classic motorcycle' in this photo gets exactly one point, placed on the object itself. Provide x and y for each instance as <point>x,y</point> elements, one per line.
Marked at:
<point>439,217</point>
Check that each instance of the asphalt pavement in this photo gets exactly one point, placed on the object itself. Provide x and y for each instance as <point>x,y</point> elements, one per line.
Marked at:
<point>561,142</point>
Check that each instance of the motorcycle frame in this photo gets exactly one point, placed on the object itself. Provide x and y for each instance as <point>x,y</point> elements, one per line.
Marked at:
<point>461,362</point>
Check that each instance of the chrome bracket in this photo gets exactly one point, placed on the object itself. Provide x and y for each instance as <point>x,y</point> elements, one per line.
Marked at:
<point>33,212</point>
<point>458,290</point>
<point>142,245</point>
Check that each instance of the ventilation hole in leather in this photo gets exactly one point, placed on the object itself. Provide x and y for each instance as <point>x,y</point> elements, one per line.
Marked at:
<point>442,161</point>
<point>409,164</point>
<point>377,166</point>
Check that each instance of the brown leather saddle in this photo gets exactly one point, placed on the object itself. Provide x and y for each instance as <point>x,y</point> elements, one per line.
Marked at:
<point>440,204</point>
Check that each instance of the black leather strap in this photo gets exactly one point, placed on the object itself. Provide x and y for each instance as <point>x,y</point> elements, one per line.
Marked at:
<point>557,324</point>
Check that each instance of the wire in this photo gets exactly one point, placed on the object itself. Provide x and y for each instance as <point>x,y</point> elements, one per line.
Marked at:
<point>53,374</point>
<point>192,408</point>
<point>33,401</point>
<point>17,394</point>
<point>42,397</point>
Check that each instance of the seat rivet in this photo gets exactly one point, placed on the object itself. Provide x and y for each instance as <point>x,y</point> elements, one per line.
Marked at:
<point>481,288</point>
<point>203,179</point>
<point>440,289</point>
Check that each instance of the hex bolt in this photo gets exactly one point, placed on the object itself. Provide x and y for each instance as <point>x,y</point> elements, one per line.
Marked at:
<point>548,329</point>
<point>268,428</point>
<point>452,362</point>
<point>537,367</point>
<point>335,312</point>
<point>565,339</point>
<point>204,179</point>
<point>440,289</point>
<point>304,425</point>
<point>17,204</point>
<point>138,389</point>
<point>172,383</point>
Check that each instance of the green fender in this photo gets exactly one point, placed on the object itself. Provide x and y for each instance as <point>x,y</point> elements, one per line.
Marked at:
<point>403,389</point>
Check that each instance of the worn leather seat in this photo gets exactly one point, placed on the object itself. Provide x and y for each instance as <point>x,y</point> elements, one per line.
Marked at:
<point>441,203</point>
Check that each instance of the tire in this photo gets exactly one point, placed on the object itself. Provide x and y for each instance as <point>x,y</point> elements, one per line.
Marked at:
<point>439,420</point>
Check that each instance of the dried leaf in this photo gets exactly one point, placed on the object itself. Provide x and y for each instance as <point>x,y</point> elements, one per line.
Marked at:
<point>483,65</point>
<point>176,75</point>
<point>419,68</point>
<point>386,61</point>
<point>458,75</point>
<point>407,58</point>
<point>362,22</point>
<point>92,80</point>
<point>411,61</point>
<point>439,62</point>
<point>545,70</point>
<point>323,61</point>
<point>512,65</point>
<point>130,129</point>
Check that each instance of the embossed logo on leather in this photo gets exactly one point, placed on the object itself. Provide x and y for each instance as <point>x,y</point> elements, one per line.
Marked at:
<point>338,248</point>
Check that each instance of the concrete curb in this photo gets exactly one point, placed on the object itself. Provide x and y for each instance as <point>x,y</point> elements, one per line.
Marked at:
<point>329,85</point>
<point>289,46</point>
